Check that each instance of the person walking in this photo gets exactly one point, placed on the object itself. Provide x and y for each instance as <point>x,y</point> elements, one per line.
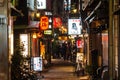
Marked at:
<point>64,48</point>
<point>68,51</point>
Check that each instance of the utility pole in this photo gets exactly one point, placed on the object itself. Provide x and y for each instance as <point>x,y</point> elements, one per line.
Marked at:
<point>110,41</point>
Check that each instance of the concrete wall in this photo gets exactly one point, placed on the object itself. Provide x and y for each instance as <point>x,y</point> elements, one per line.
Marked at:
<point>4,67</point>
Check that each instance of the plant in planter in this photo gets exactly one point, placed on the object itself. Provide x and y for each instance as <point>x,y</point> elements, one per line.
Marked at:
<point>17,61</point>
<point>89,69</point>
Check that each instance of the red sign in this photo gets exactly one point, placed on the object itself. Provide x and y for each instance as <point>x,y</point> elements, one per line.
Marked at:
<point>44,22</point>
<point>57,22</point>
<point>80,43</point>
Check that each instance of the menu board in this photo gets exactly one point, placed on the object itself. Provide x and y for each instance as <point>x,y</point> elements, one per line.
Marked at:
<point>36,63</point>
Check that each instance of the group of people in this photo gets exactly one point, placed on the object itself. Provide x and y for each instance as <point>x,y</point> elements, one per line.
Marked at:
<point>65,50</point>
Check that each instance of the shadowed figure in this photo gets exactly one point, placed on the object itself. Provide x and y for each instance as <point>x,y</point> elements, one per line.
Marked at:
<point>64,48</point>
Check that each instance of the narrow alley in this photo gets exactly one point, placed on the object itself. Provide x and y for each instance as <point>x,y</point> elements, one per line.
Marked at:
<point>61,70</point>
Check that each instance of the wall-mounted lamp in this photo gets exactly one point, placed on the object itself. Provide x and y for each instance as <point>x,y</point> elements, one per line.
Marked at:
<point>37,14</point>
<point>74,10</point>
<point>34,35</point>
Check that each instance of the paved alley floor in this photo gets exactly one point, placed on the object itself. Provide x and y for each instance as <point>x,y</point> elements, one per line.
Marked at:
<point>61,70</point>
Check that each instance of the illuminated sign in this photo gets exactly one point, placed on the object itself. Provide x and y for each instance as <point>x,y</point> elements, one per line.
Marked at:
<point>74,26</point>
<point>67,4</point>
<point>79,57</point>
<point>80,43</point>
<point>36,63</point>
<point>48,13</point>
<point>57,22</point>
<point>31,4</point>
<point>24,43</point>
<point>41,4</point>
<point>44,22</point>
<point>48,32</point>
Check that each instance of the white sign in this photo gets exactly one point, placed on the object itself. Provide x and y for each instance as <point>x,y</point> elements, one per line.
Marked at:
<point>74,26</point>
<point>37,63</point>
<point>30,4</point>
<point>79,57</point>
<point>41,4</point>
<point>24,43</point>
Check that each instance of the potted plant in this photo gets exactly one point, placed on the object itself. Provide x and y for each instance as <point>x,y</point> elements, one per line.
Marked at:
<point>89,70</point>
<point>17,61</point>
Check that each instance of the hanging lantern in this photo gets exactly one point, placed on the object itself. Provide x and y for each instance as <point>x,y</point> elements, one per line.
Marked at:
<point>34,35</point>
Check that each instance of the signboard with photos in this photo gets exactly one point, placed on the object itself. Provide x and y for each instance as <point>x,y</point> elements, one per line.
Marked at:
<point>74,26</point>
<point>36,63</point>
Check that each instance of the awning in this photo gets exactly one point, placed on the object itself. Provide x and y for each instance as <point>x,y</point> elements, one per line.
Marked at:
<point>15,11</point>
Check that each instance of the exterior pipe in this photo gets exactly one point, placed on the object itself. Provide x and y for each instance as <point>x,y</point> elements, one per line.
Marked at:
<point>93,11</point>
<point>110,41</point>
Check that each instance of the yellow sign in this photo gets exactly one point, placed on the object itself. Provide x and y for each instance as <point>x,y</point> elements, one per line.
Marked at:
<point>48,32</point>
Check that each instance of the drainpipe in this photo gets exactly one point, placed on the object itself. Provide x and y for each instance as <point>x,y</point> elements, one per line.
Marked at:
<point>117,38</point>
<point>110,41</point>
<point>88,61</point>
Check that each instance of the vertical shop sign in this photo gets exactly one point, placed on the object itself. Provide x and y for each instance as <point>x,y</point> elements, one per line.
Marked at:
<point>44,22</point>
